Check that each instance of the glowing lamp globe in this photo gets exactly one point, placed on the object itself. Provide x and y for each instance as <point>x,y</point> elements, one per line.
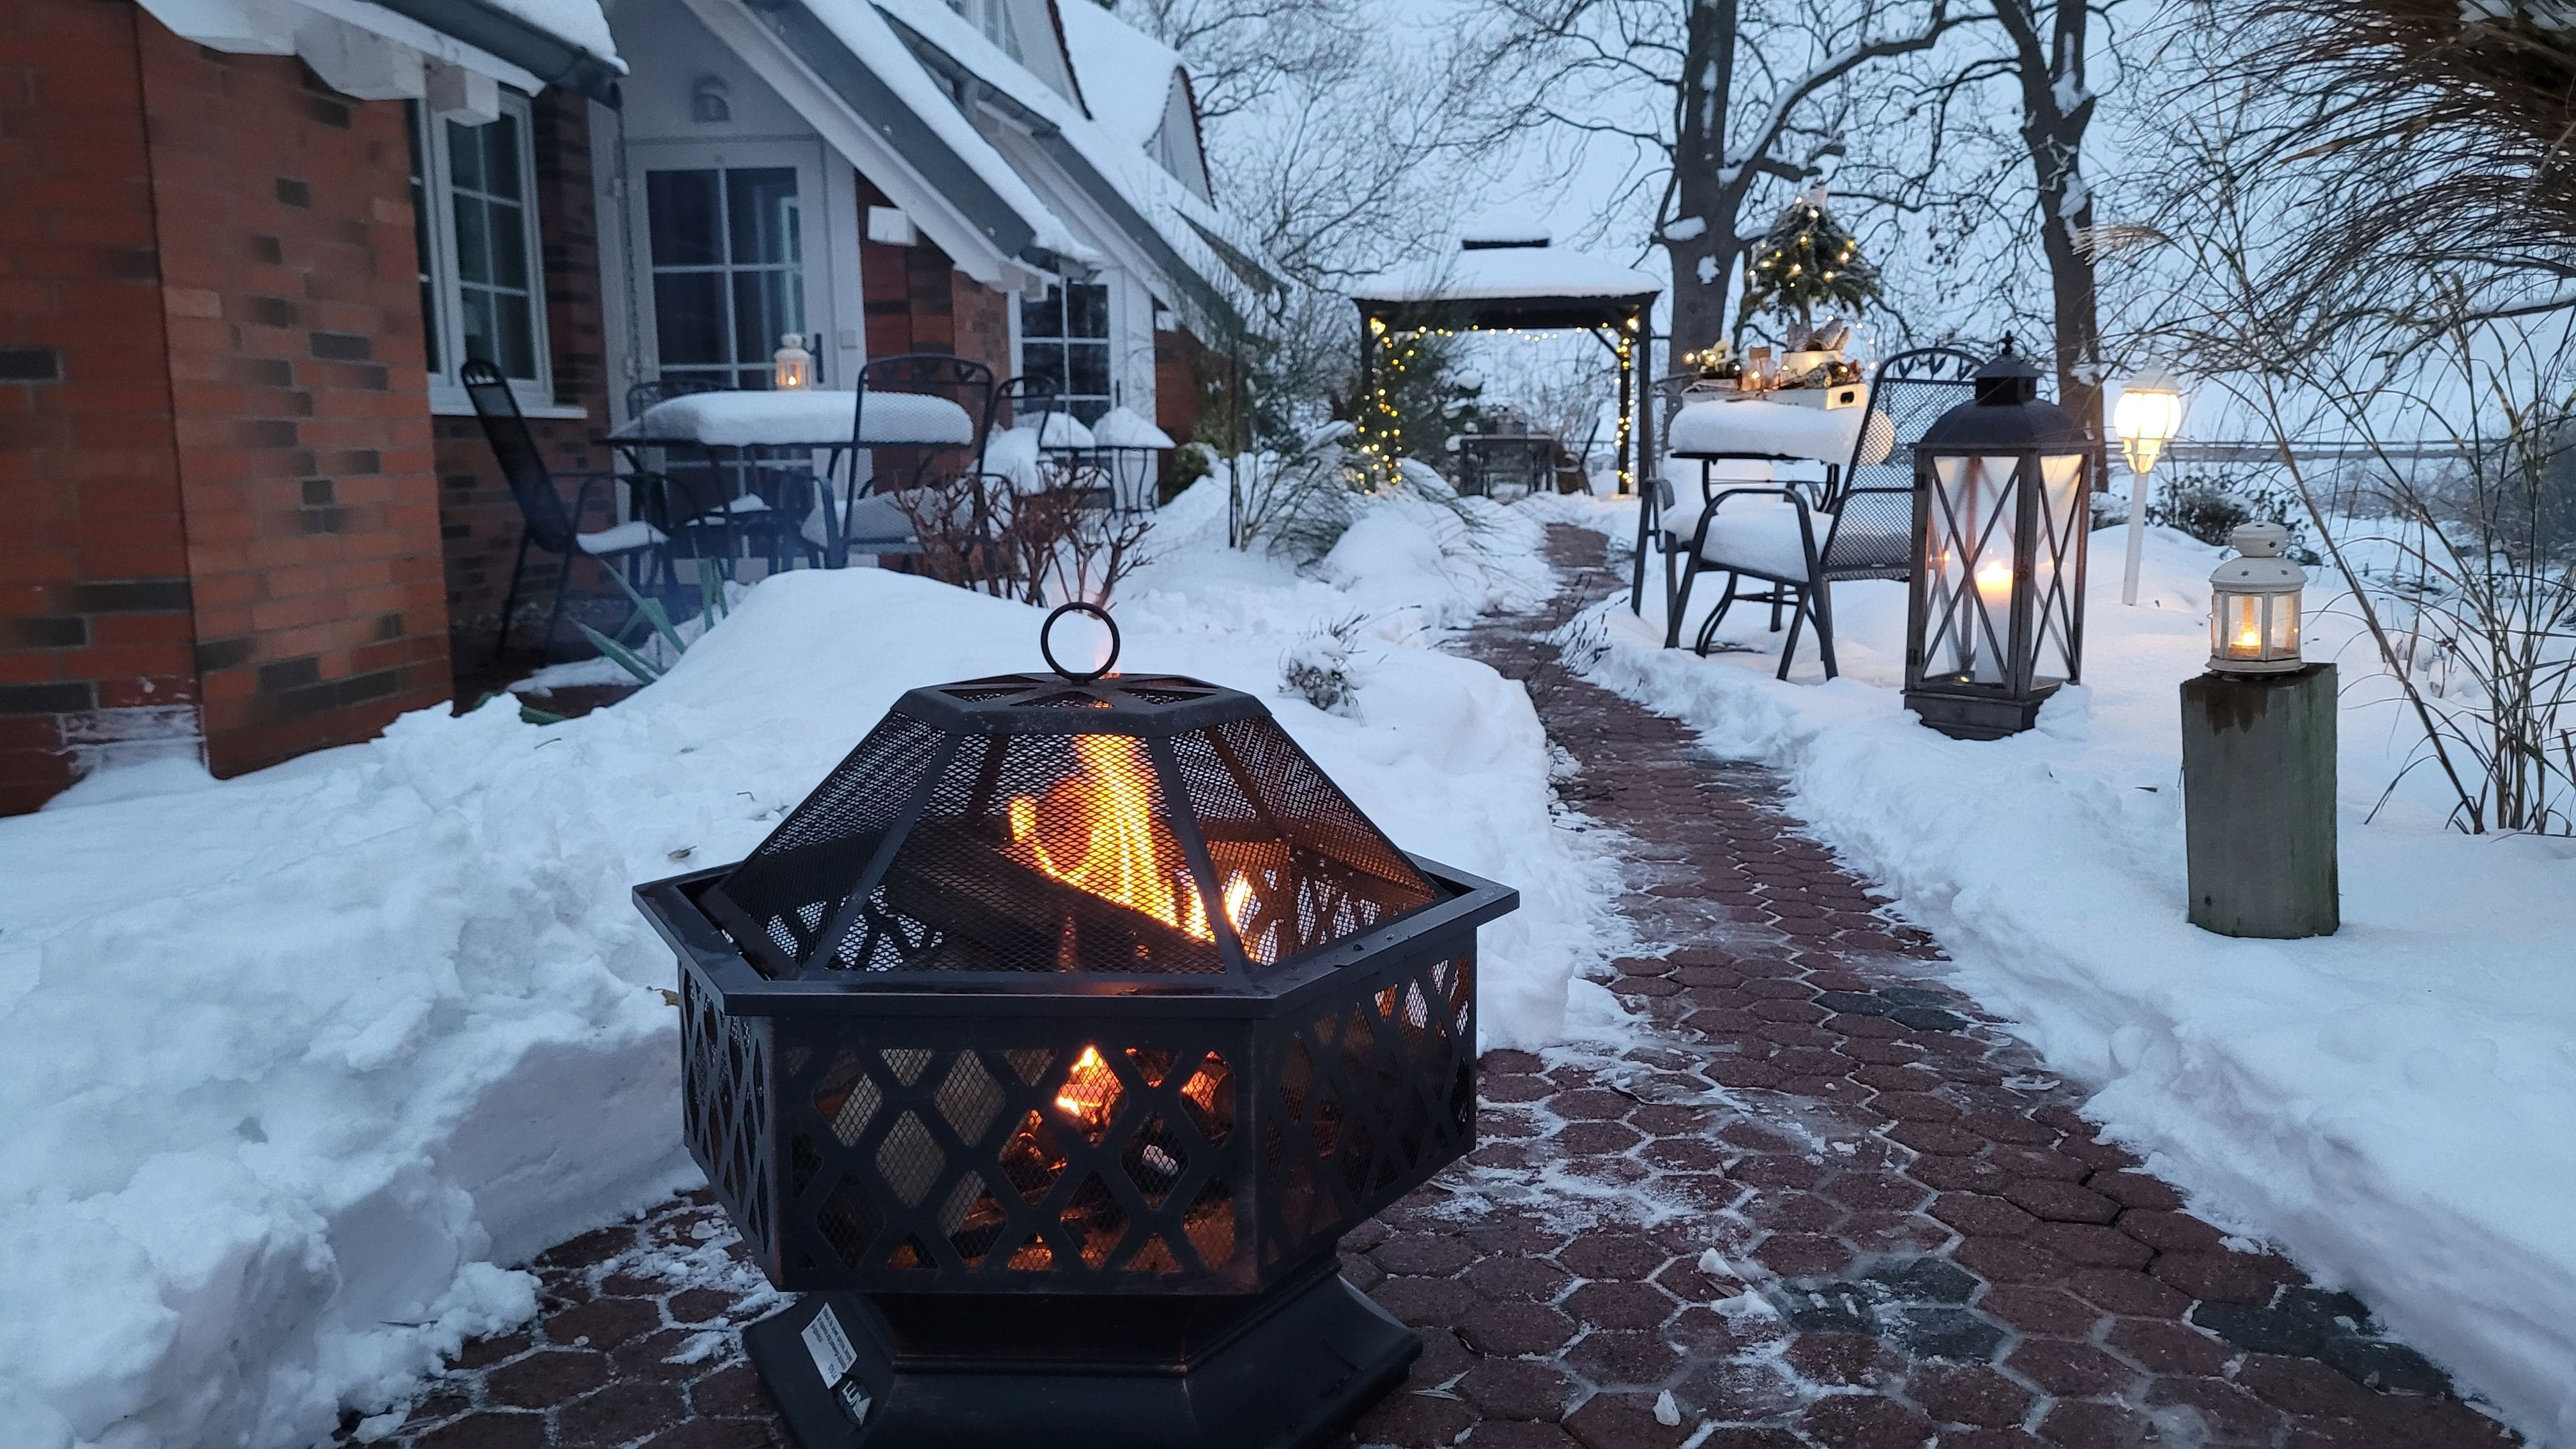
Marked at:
<point>2254,604</point>
<point>2147,416</point>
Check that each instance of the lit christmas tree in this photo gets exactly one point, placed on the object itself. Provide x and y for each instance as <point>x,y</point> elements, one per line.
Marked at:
<point>1808,260</point>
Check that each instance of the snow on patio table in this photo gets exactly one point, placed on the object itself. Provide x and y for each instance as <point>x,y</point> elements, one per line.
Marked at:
<point>2392,1103</point>
<point>816,417</point>
<point>304,1055</point>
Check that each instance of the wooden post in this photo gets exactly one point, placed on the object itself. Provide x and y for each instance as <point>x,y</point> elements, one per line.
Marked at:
<point>2258,781</point>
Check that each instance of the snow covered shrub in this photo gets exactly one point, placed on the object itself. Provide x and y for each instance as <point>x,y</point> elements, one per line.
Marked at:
<point>1297,502</point>
<point>1319,668</point>
<point>2209,506</point>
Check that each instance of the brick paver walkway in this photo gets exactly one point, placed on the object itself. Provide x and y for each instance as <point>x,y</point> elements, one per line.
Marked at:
<point>1822,1201</point>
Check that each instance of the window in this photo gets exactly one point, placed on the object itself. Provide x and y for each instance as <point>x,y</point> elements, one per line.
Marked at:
<point>474,217</point>
<point>728,260</point>
<point>1064,338</point>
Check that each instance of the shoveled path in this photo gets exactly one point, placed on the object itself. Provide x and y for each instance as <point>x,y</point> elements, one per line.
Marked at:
<point>1821,1201</point>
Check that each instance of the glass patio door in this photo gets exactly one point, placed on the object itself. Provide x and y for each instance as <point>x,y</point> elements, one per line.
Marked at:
<point>727,238</point>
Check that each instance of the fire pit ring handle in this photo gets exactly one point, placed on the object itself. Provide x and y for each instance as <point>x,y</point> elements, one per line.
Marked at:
<point>1047,629</point>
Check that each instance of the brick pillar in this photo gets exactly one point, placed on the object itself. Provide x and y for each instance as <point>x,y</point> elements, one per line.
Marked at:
<point>294,334</point>
<point>95,632</point>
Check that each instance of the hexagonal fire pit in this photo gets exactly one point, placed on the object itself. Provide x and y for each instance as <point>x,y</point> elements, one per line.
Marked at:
<point>1051,1044</point>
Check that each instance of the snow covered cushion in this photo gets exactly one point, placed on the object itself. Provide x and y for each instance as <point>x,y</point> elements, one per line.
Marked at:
<point>1759,534</point>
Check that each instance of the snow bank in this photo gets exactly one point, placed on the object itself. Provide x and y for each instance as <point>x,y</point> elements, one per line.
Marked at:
<point>2391,1104</point>
<point>299,1058</point>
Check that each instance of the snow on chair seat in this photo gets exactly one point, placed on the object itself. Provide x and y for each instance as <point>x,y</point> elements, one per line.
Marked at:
<point>1769,536</point>
<point>625,537</point>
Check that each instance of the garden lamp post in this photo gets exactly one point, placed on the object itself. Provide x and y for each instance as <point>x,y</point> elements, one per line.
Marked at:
<point>2258,756</point>
<point>1995,621</point>
<point>2148,416</point>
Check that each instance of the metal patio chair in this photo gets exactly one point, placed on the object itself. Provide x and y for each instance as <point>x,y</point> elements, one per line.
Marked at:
<point>867,519</point>
<point>1801,539</point>
<point>661,511</point>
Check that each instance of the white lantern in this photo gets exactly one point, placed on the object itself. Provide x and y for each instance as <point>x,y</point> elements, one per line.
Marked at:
<point>2148,416</point>
<point>795,365</point>
<point>2254,605</point>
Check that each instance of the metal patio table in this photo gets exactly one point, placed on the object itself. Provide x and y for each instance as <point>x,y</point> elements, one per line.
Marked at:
<point>740,433</point>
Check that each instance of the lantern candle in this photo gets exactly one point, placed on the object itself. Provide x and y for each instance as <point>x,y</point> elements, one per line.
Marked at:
<point>793,365</point>
<point>1995,618</point>
<point>2254,604</point>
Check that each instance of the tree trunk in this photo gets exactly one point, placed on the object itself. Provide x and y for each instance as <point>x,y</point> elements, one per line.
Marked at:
<point>1704,264</point>
<point>2056,109</point>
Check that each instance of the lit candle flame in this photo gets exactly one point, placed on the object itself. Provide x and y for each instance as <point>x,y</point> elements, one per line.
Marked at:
<point>1995,583</point>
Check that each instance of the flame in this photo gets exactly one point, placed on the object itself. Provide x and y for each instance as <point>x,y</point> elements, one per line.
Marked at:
<point>1090,1091</point>
<point>1994,582</point>
<point>1098,831</point>
<point>2249,641</point>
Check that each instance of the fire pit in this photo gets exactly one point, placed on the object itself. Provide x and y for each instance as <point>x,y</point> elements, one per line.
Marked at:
<point>1049,1046</point>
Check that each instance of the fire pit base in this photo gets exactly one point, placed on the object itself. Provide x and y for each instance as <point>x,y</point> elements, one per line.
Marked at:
<point>1288,1369</point>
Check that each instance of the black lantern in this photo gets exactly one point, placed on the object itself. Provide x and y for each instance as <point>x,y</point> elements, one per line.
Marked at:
<point>1053,1042</point>
<point>2001,508</point>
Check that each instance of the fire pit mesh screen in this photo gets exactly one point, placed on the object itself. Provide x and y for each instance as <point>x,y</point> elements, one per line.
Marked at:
<point>1128,851</point>
<point>1179,1156</point>
<point>936,1167</point>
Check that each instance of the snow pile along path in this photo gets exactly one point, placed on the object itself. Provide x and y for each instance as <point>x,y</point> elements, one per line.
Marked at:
<point>2391,1103</point>
<point>298,1060</point>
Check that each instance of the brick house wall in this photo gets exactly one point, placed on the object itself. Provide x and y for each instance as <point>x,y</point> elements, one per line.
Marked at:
<point>292,311</point>
<point>917,301</point>
<point>479,523</point>
<point>93,567</point>
<point>215,456</point>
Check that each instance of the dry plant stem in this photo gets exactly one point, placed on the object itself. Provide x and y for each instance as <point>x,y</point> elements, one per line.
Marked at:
<point>2390,659</point>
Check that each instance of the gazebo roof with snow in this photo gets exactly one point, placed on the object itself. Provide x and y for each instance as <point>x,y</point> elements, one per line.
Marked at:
<point>1505,277</point>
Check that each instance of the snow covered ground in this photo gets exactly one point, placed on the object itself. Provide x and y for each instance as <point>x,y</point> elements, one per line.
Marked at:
<point>299,1062</point>
<point>2395,1104</point>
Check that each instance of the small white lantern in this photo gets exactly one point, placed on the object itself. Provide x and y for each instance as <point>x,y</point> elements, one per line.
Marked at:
<point>2254,605</point>
<point>795,365</point>
<point>2148,416</point>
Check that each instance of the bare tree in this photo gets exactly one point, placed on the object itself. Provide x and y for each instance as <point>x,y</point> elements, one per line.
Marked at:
<point>1342,154</point>
<point>1716,98</point>
<point>2048,40</point>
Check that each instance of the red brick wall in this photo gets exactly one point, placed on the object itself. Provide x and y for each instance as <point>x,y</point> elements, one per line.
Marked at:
<point>293,318</point>
<point>477,519</point>
<point>93,564</point>
<point>1180,366</point>
<point>917,301</point>
<point>214,450</point>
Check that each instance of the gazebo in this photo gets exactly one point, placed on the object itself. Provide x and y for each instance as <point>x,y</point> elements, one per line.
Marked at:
<point>1516,280</point>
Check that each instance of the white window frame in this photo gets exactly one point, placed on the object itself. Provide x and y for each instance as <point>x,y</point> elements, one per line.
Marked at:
<point>446,395</point>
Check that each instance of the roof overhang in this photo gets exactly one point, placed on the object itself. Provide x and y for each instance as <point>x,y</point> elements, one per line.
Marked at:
<point>853,109</point>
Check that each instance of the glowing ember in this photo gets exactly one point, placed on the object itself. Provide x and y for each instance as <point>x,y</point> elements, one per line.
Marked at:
<point>1098,831</point>
<point>1090,1092</point>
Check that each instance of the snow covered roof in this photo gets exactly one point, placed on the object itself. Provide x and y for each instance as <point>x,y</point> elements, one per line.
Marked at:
<point>841,65</point>
<point>373,49</point>
<point>1098,171</point>
<point>1487,273</point>
<point>1141,94</point>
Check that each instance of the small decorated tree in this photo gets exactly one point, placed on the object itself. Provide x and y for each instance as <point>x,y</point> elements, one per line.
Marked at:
<point>1807,260</point>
